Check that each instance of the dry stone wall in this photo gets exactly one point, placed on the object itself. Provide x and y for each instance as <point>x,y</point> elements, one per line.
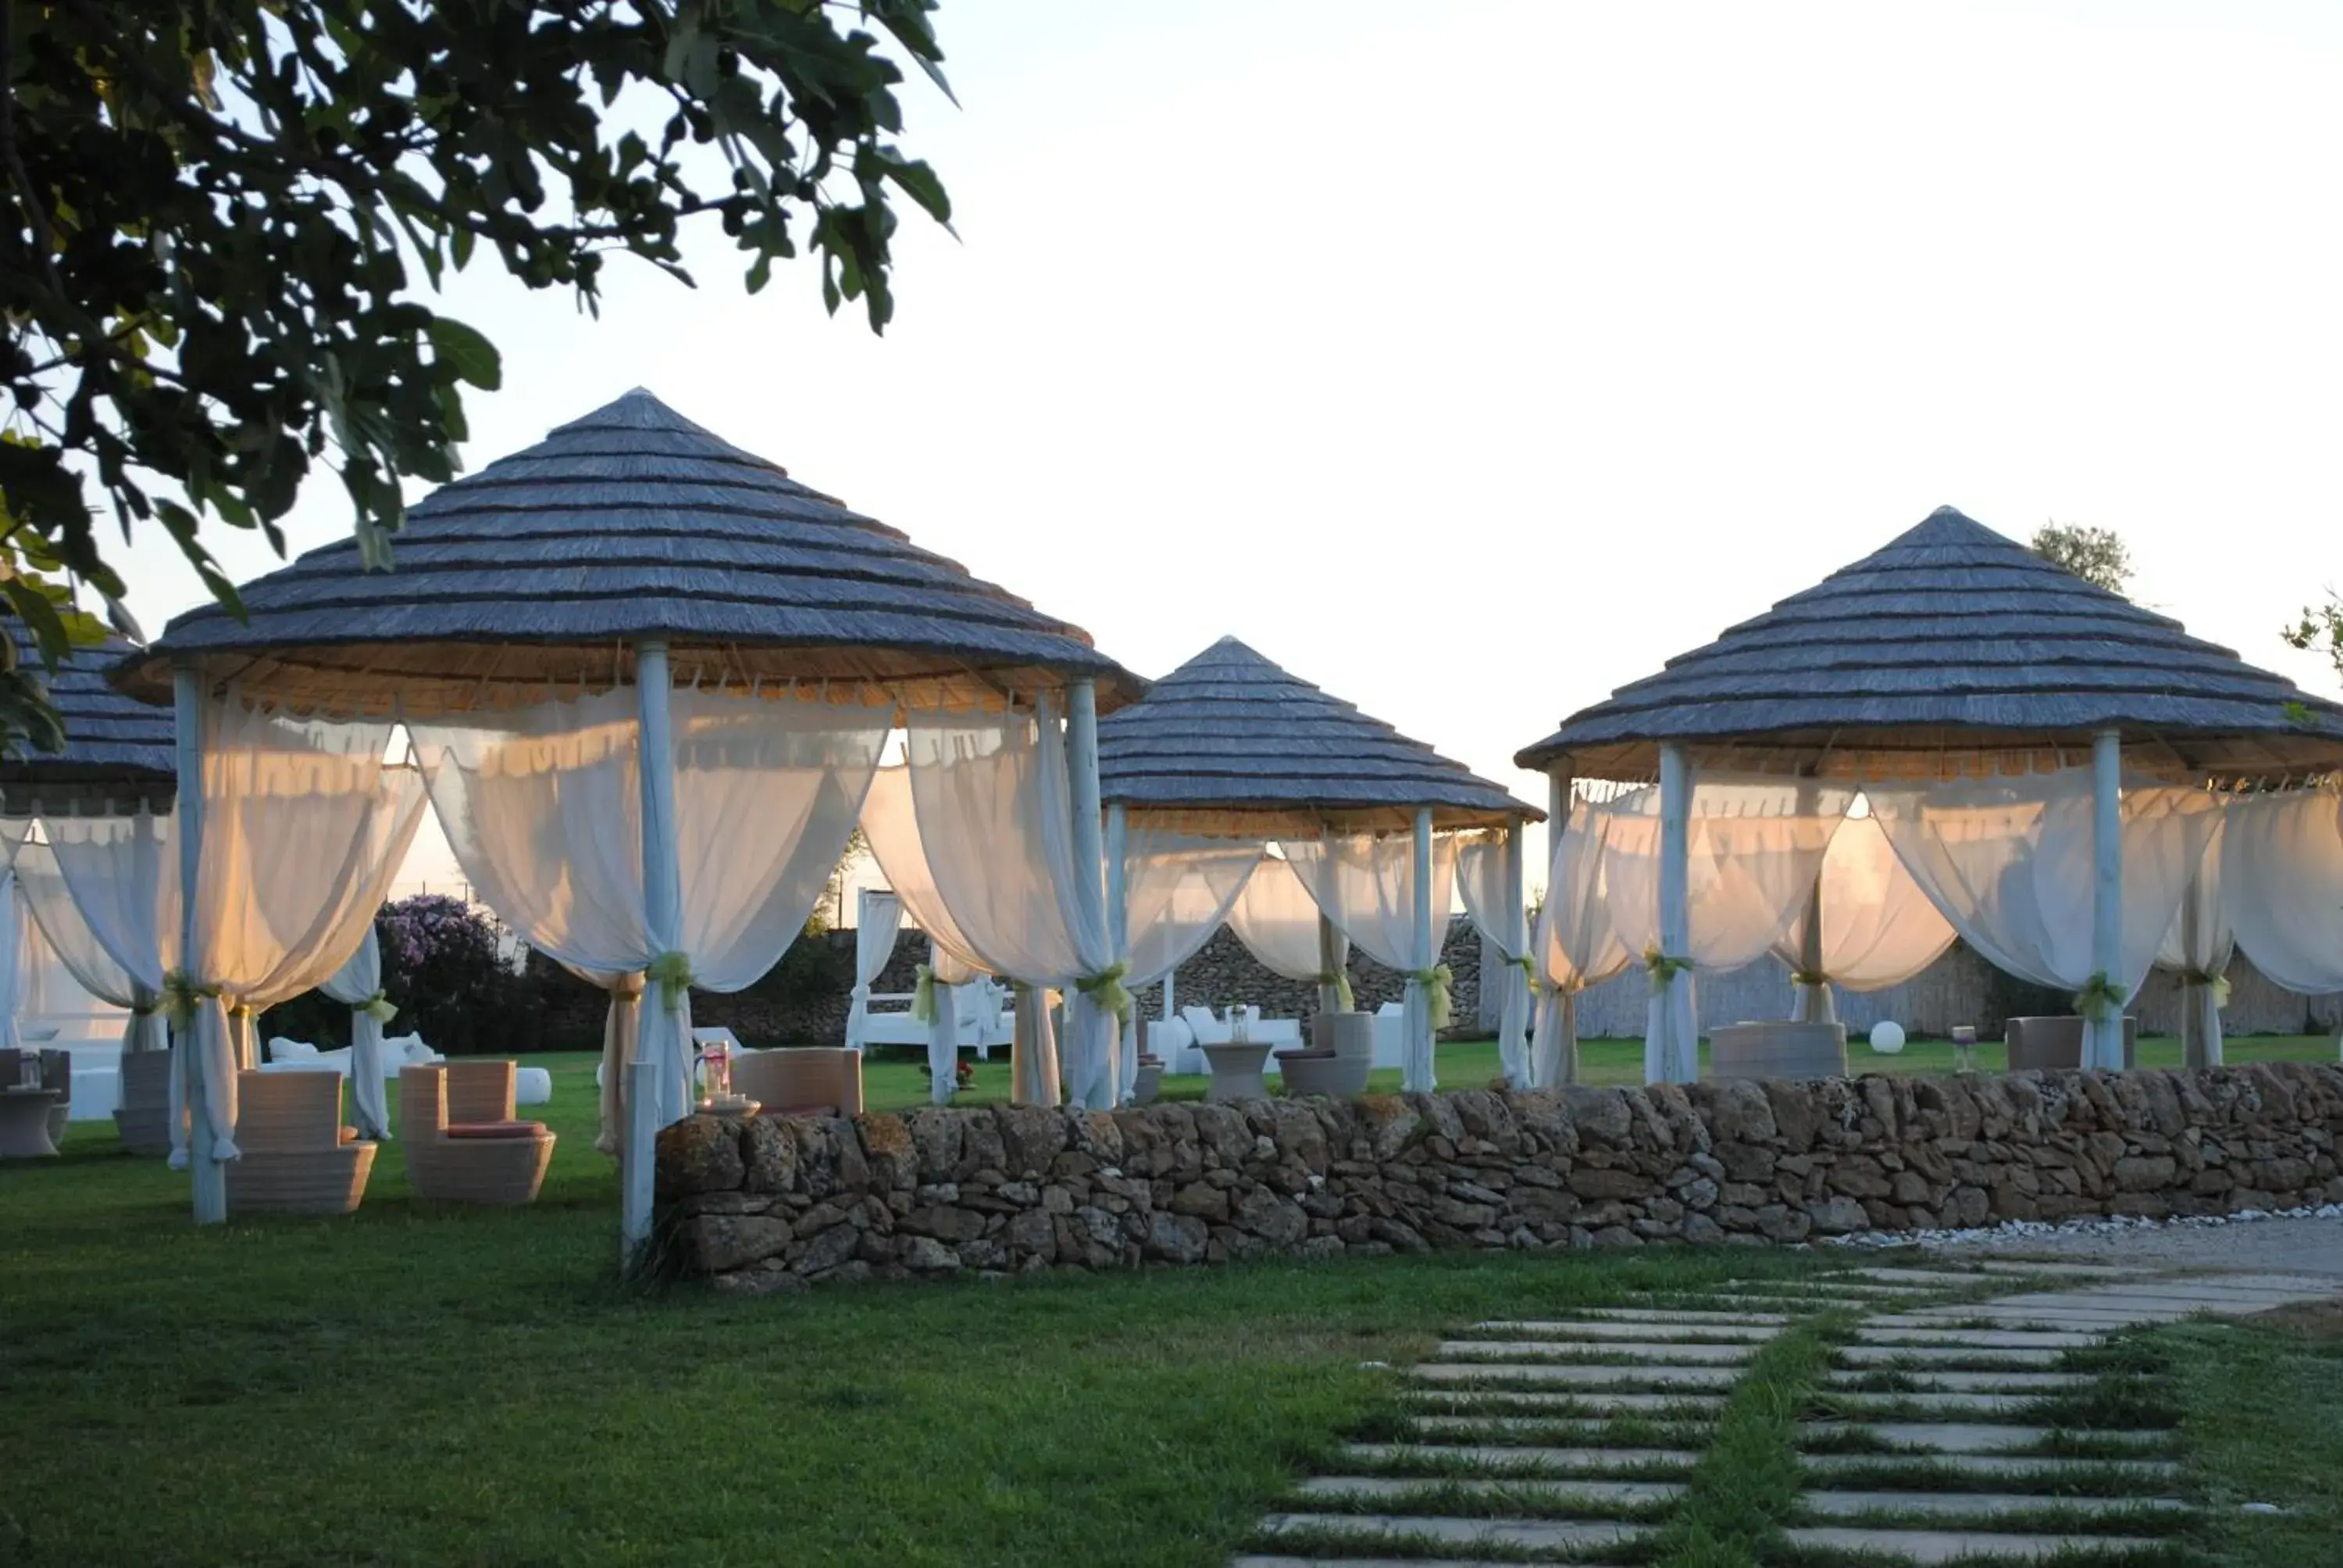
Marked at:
<point>777,1204</point>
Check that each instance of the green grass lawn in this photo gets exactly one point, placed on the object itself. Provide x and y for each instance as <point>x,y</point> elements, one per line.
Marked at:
<point>424,1384</point>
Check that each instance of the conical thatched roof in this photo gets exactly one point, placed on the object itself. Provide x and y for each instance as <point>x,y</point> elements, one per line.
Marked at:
<point>630,522</point>
<point>118,750</point>
<point>1953,650</point>
<point>1230,741</point>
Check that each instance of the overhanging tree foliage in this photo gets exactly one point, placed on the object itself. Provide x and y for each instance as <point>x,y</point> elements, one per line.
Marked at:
<point>215,209</point>
<point>2097,556</point>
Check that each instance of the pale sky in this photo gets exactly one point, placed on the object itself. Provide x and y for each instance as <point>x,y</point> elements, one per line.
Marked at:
<point>1471,359</point>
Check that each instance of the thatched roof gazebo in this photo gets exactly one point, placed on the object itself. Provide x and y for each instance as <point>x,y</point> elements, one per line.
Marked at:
<point>632,547</point>
<point>117,753</point>
<point>1951,653</point>
<point>1231,745</point>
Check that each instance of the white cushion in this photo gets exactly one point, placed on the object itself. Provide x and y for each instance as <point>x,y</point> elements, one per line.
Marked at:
<point>282,1050</point>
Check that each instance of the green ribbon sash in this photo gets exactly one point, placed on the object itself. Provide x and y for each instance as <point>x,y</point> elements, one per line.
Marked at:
<point>1341,980</point>
<point>671,971</point>
<point>1664,968</point>
<point>180,996</point>
<point>1808,978</point>
<point>2218,983</point>
<point>2099,996</point>
<point>923,995</point>
<point>1105,990</point>
<point>378,1007</point>
<point>1435,983</point>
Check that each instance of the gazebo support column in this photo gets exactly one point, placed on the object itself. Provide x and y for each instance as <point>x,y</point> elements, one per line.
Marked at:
<point>210,1176</point>
<point>1516,1019</point>
<point>1672,1053</point>
<point>1418,1075</point>
<point>1563,1066</point>
<point>658,1082</point>
<point>1118,929</point>
<point>1812,1001</point>
<point>1333,958</point>
<point>1093,1078</point>
<point>2103,1036</point>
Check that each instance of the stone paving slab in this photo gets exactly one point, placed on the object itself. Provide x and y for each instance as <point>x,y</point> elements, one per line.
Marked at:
<point>1877,1332</point>
<point>1974,1437</point>
<point>1934,1279</point>
<point>1532,1461</point>
<point>1599,1329</point>
<point>1402,1490</point>
<point>1666,1315</point>
<point>1696,1403</point>
<point>1547,1534</point>
<point>1937,1403</point>
<point>2042,1266</point>
<point>1255,1560</point>
<point>2123,1471</point>
<point>1664,1353</point>
<point>2035,1383</point>
<point>1866,1355</point>
<point>1975,1505</point>
<point>2155,1300</point>
<point>2056,1319</point>
<point>1579,1376</point>
<point>1448,1428</point>
<point>1929,1547</point>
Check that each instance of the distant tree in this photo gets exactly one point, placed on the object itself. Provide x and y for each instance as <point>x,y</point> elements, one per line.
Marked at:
<point>2097,556</point>
<point>2321,627</point>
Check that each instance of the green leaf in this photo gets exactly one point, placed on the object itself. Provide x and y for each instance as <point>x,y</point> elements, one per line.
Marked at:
<point>472,356</point>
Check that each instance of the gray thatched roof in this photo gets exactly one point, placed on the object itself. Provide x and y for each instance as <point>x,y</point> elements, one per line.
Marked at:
<point>1230,741</point>
<point>1952,650</point>
<point>630,522</point>
<point>117,748</point>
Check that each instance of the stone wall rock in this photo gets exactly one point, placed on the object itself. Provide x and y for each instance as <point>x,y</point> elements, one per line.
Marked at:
<point>772,1204</point>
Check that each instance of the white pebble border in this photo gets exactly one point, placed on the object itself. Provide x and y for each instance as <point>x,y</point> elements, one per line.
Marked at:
<point>2097,1225</point>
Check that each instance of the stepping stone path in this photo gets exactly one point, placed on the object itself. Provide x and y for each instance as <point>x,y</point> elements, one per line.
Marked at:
<point>1933,1448</point>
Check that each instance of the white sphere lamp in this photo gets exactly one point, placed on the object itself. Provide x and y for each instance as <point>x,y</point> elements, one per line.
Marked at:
<point>1887,1037</point>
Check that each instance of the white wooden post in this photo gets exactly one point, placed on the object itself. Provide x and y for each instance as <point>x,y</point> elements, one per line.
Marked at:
<point>2192,1032</point>
<point>1118,929</point>
<point>1516,1012</point>
<point>665,1068</point>
<point>1812,1003</point>
<point>1333,955</point>
<point>1094,1069</point>
<point>2103,1037</point>
<point>1677,1058</point>
<point>1170,1009</point>
<point>1419,1074</point>
<point>211,1178</point>
<point>1560,1064</point>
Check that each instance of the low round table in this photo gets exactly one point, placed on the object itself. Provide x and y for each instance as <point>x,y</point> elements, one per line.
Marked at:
<point>24,1123</point>
<point>1236,1070</point>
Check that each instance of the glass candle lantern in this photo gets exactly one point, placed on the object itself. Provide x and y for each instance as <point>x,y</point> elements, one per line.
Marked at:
<point>1964,1049</point>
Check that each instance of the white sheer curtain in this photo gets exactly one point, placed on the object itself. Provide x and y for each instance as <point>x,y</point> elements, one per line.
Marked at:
<point>878,916</point>
<point>890,822</point>
<point>1753,850</point>
<point>1178,890</point>
<point>2281,878</point>
<point>993,801</point>
<point>1878,928</point>
<point>123,878</point>
<point>303,829</point>
<point>1576,945</point>
<point>358,984</point>
<point>2198,947</point>
<point>77,946</point>
<point>1487,890</point>
<point>1365,884</point>
<point>1276,918</point>
<point>2008,862</point>
<point>542,807</point>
